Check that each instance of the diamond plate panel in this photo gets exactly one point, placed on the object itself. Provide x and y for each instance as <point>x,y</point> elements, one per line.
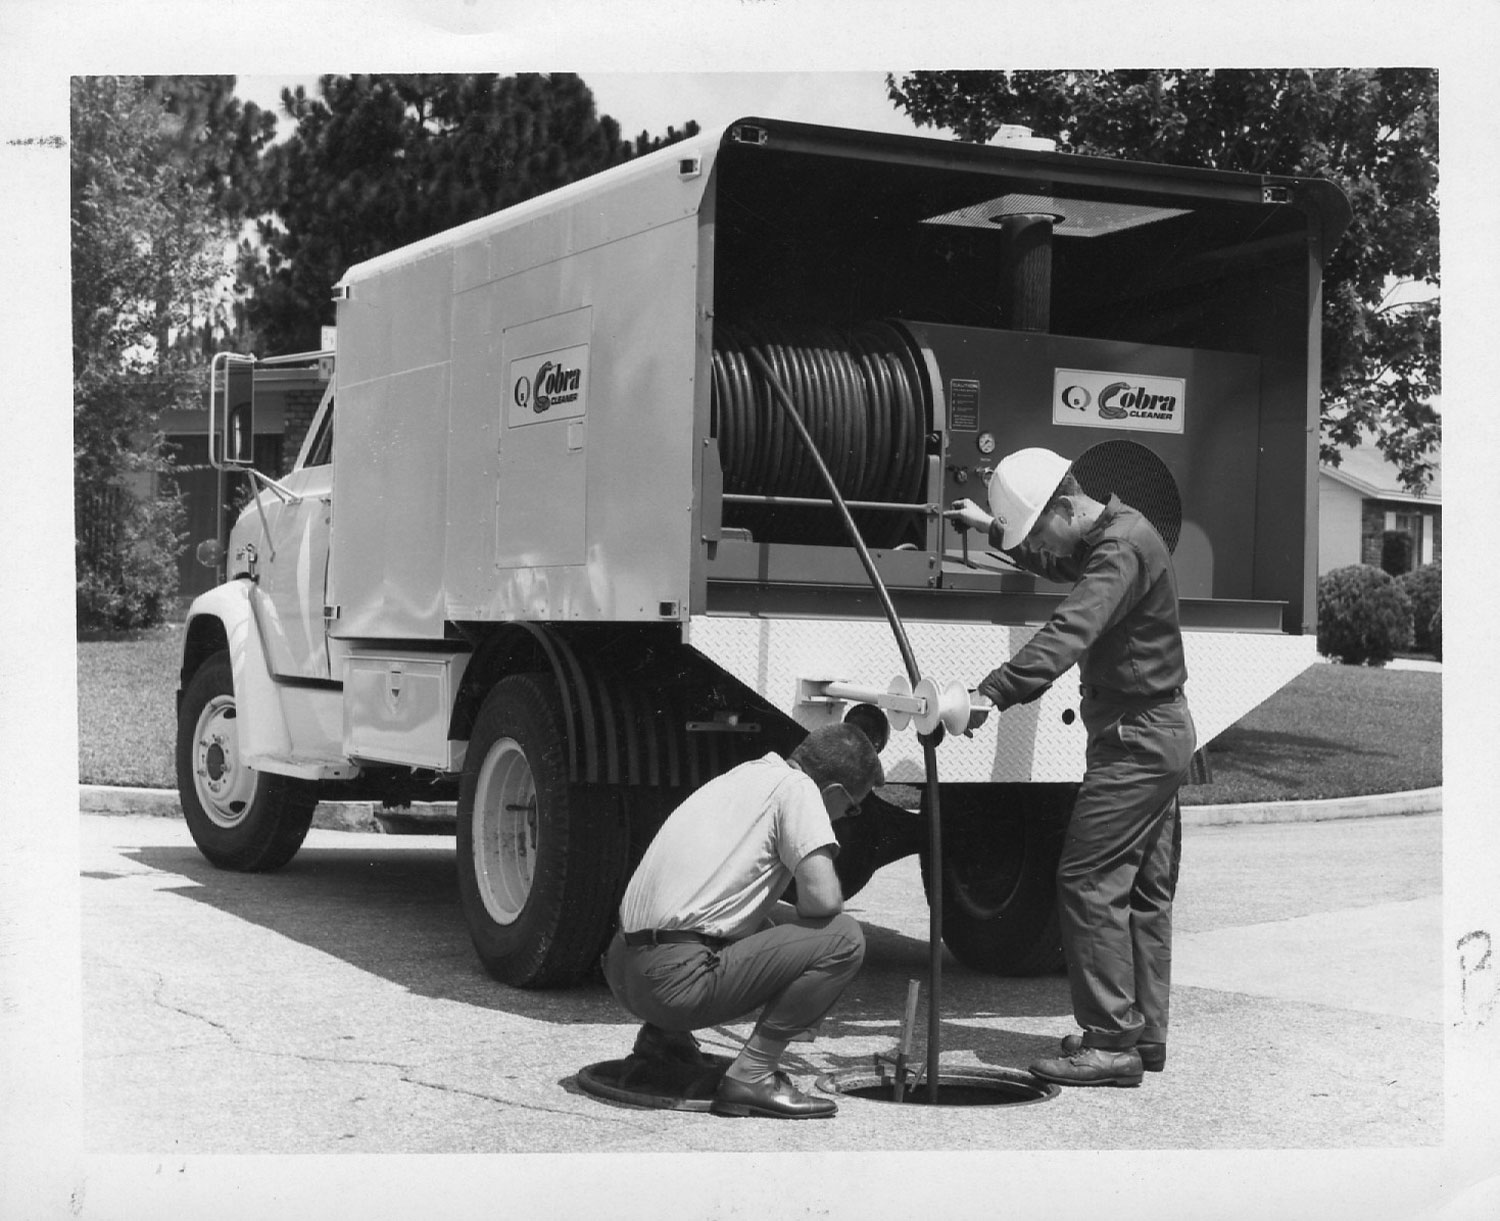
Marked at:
<point>1229,673</point>
<point>1043,741</point>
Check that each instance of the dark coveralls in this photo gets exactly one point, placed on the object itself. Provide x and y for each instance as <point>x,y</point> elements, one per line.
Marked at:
<point>1118,871</point>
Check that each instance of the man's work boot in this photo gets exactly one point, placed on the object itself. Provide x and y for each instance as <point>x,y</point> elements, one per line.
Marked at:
<point>1153,1055</point>
<point>1092,1066</point>
<point>774,1098</point>
<point>658,1045</point>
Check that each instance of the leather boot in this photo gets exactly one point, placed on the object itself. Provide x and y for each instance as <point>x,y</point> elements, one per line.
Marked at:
<point>1153,1055</point>
<point>1092,1066</point>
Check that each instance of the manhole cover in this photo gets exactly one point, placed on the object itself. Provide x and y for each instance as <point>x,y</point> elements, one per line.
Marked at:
<point>640,1083</point>
<point>961,1087</point>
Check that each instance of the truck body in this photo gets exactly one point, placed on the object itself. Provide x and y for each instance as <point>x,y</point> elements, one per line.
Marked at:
<point>563,558</point>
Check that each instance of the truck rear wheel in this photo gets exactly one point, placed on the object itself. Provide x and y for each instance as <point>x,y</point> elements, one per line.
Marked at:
<point>240,818</point>
<point>1001,846</point>
<point>540,860</point>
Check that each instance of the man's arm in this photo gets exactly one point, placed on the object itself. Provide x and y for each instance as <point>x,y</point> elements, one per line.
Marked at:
<point>819,894</point>
<point>1110,585</point>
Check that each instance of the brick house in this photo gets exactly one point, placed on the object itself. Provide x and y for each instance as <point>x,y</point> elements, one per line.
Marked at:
<point>1362,498</point>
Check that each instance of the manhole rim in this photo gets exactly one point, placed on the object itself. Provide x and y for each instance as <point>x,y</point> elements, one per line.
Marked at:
<point>839,1082</point>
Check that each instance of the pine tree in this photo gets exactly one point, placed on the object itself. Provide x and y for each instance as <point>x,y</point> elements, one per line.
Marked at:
<point>376,162</point>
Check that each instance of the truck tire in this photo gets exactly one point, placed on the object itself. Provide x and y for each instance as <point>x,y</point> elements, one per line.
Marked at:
<point>540,861</point>
<point>1001,846</point>
<point>239,818</point>
<point>880,834</point>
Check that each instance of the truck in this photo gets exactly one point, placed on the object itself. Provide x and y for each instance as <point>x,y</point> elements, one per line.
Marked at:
<point>554,552</point>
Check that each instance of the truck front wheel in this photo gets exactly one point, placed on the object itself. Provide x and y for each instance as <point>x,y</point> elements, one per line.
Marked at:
<point>539,859</point>
<point>240,818</point>
<point>1001,846</point>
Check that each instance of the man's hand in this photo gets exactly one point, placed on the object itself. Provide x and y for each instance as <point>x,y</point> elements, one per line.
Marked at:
<point>965,514</point>
<point>989,687</point>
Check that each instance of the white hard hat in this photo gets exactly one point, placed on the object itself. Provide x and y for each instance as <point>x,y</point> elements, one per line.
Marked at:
<point>1020,488</point>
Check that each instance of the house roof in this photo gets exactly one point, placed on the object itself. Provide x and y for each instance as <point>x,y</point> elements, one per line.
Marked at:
<point>1370,473</point>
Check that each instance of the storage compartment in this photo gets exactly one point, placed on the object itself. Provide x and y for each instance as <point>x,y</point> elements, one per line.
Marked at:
<point>396,708</point>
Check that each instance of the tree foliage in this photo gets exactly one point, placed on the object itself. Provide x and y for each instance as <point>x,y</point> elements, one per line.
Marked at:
<point>1374,132</point>
<point>376,162</point>
<point>148,252</point>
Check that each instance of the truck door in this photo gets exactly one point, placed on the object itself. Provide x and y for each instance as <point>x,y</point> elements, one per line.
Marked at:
<point>294,567</point>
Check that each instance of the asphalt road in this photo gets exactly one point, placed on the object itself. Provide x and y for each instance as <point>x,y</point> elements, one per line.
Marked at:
<point>336,1006</point>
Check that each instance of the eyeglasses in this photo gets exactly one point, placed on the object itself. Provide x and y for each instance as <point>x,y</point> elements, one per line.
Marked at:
<point>851,807</point>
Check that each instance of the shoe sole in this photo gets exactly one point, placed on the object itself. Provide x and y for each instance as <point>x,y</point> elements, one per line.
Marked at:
<point>743,1110</point>
<point>1127,1082</point>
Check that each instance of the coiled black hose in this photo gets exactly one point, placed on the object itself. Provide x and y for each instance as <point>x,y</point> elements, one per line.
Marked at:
<point>860,394</point>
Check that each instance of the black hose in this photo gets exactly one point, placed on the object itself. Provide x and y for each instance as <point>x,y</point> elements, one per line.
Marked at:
<point>860,395</point>
<point>929,741</point>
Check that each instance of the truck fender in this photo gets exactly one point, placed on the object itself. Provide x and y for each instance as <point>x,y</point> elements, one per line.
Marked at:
<point>262,722</point>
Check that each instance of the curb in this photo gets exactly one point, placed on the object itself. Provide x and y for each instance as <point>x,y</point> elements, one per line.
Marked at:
<point>420,818</point>
<point>1375,805</point>
<point>436,818</point>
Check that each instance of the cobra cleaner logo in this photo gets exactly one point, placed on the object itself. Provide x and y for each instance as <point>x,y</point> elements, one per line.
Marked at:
<point>548,386</point>
<point>1095,399</point>
<point>552,386</point>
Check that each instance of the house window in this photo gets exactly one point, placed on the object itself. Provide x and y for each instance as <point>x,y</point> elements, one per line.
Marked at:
<point>1418,528</point>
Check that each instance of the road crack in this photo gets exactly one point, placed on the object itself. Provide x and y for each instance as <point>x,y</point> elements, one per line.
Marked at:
<point>511,1102</point>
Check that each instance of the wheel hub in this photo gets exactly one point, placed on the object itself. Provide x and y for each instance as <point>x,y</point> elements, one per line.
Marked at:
<point>224,784</point>
<point>507,829</point>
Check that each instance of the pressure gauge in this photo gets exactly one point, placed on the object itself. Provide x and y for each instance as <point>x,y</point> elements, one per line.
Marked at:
<point>986,442</point>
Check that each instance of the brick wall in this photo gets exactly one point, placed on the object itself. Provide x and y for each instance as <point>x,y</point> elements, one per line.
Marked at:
<point>1372,529</point>
<point>1371,532</point>
<point>301,406</point>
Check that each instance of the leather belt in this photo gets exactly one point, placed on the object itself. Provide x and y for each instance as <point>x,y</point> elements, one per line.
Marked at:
<point>671,936</point>
<point>1108,696</point>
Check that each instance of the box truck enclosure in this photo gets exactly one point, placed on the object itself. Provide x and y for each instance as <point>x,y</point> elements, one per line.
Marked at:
<point>554,456</point>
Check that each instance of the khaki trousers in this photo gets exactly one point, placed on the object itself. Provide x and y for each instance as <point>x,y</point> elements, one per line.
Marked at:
<point>793,972</point>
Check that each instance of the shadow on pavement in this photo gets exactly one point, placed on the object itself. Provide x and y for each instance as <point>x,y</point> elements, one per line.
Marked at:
<point>396,915</point>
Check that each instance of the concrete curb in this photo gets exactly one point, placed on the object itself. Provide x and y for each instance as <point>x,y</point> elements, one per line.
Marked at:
<point>329,816</point>
<point>437,817</point>
<point>1376,805</point>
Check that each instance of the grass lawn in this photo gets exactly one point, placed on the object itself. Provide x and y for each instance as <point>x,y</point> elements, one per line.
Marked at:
<point>1336,731</point>
<point>127,709</point>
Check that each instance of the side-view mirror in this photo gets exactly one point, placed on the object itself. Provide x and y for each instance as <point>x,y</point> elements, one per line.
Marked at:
<point>231,411</point>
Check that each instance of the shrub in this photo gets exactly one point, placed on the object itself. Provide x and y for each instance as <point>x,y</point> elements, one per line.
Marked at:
<point>1395,552</point>
<point>127,570</point>
<point>1424,587</point>
<point>1364,616</point>
<point>1435,634</point>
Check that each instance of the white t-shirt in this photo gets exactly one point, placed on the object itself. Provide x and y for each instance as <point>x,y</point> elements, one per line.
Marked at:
<point>725,855</point>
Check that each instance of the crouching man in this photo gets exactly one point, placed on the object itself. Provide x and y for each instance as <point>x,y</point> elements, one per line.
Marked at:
<point>705,939</point>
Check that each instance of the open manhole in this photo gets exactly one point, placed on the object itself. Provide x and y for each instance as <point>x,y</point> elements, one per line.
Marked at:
<point>956,1087</point>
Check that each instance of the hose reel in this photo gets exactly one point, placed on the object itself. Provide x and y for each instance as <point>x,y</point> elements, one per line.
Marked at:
<point>862,396</point>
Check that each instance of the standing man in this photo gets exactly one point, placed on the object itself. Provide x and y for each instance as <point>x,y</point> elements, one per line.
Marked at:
<point>1118,871</point>
<point>705,939</point>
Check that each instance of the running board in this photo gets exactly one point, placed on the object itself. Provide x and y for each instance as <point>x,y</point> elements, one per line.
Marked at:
<point>304,768</point>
